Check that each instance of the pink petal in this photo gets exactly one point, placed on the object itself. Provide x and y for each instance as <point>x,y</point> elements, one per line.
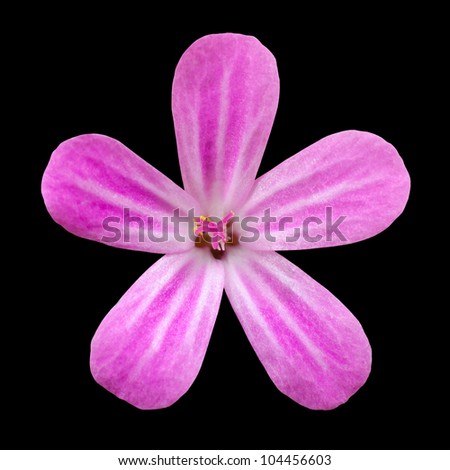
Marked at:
<point>224,99</point>
<point>344,188</point>
<point>149,348</point>
<point>312,347</point>
<point>97,188</point>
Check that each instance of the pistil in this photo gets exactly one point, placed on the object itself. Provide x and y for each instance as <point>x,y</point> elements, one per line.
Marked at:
<point>212,232</point>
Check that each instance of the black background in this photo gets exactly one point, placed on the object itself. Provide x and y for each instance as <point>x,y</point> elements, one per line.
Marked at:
<point>113,76</point>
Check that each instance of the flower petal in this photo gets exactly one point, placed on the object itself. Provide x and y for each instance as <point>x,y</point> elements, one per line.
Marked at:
<point>97,188</point>
<point>344,188</point>
<point>312,347</point>
<point>149,348</point>
<point>224,99</point>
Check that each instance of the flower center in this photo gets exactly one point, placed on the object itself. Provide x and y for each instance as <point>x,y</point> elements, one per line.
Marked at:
<point>216,233</point>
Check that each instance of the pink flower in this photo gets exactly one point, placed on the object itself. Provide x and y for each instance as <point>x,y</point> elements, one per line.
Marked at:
<point>149,348</point>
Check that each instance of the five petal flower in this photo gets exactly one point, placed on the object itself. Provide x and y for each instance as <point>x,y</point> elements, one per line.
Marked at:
<point>150,347</point>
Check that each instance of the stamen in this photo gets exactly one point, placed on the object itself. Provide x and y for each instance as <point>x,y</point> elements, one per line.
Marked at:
<point>213,232</point>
